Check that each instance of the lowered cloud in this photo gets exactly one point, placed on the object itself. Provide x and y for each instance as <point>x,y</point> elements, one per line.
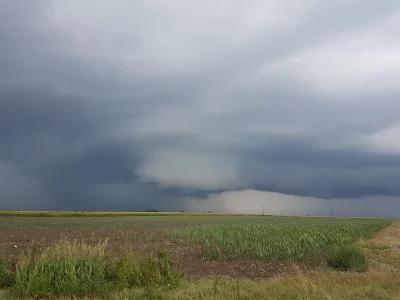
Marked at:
<point>257,202</point>
<point>144,102</point>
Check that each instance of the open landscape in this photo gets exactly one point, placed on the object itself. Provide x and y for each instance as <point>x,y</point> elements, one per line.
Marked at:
<point>197,256</point>
<point>207,150</point>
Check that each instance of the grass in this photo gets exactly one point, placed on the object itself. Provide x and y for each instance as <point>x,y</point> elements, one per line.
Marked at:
<point>71,269</point>
<point>277,240</point>
<point>75,269</point>
<point>347,258</point>
<point>23,222</point>
<point>67,268</point>
<point>322,286</point>
<point>301,287</point>
<point>7,278</point>
<point>45,213</point>
<point>151,271</point>
<point>377,247</point>
<point>11,220</point>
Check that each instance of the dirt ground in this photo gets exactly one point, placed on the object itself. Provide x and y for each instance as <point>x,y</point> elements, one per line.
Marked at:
<point>187,257</point>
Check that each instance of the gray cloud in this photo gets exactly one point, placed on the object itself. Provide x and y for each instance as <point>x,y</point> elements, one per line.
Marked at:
<point>21,191</point>
<point>258,202</point>
<point>144,104</point>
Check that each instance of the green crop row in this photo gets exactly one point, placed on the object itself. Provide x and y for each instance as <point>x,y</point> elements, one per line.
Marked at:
<point>277,240</point>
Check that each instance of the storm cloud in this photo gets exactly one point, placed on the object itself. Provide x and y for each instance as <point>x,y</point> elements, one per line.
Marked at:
<point>132,105</point>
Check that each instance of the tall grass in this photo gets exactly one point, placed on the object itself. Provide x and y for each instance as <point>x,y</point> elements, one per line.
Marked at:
<point>277,240</point>
<point>67,268</point>
<point>347,258</point>
<point>75,269</point>
<point>150,271</point>
<point>7,276</point>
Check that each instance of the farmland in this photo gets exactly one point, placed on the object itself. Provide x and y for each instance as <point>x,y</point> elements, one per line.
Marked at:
<point>27,221</point>
<point>202,247</point>
<point>277,239</point>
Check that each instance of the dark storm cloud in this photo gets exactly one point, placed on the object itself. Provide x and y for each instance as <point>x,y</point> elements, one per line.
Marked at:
<point>141,106</point>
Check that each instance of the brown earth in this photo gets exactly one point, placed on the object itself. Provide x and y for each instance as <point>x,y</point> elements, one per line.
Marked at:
<point>187,257</point>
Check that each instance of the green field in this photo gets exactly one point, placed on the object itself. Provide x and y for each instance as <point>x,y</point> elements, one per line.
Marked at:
<point>20,222</point>
<point>285,238</point>
<point>70,268</point>
<point>227,236</point>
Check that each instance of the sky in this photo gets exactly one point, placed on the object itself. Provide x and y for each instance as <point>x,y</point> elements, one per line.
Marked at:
<point>208,105</point>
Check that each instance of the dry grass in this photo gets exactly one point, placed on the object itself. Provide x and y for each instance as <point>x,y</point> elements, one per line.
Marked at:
<point>300,287</point>
<point>381,281</point>
<point>384,249</point>
<point>77,269</point>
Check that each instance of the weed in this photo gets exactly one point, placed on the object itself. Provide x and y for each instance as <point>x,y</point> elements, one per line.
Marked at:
<point>153,270</point>
<point>346,258</point>
<point>67,269</point>
<point>7,275</point>
<point>75,269</point>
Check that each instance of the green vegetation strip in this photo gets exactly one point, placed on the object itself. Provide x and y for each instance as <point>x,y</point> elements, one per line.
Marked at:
<point>278,240</point>
<point>44,213</point>
<point>22,222</point>
<point>75,269</point>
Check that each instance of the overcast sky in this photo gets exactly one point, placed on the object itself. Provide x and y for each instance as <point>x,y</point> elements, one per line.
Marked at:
<point>130,105</point>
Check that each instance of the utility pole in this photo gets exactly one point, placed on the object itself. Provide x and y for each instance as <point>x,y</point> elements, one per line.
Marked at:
<point>263,210</point>
<point>331,212</point>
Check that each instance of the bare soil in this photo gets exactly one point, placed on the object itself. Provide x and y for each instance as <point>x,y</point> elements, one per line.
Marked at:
<point>187,257</point>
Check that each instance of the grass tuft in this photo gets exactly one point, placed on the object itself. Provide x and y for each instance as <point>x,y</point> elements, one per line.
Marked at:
<point>7,275</point>
<point>75,269</point>
<point>153,270</point>
<point>347,258</point>
<point>67,269</point>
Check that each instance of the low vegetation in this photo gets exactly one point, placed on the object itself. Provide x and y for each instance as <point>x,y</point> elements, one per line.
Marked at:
<point>277,240</point>
<point>347,258</point>
<point>7,274</point>
<point>69,268</point>
<point>150,212</point>
<point>300,287</point>
<point>76,269</point>
<point>20,220</point>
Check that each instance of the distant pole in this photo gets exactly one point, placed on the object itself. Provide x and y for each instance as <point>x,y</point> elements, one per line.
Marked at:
<point>183,207</point>
<point>263,210</point>
<point>331,212</point>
